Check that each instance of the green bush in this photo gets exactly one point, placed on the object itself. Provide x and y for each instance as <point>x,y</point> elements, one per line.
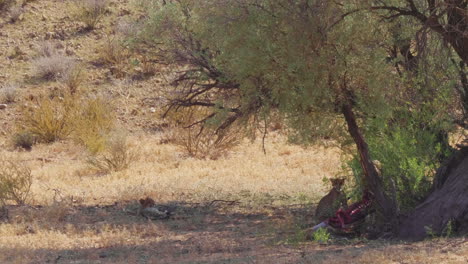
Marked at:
<point>408,155</point>
<point>321,235</point>
<point>24,139</point>
<point>15,182</point>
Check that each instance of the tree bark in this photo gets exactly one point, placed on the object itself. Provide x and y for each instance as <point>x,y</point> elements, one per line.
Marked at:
<point>447,203</point>
<point>372,177</point>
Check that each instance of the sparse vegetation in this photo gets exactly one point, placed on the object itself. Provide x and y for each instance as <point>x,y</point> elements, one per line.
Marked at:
<point>24,139</point>
<point>73,77</point>
<point>8,93</point>
<point>116,156</point>
<point>89,12</point>
<point>92,123</point>
<point>113,52</point>
<point>202,141</point>
<point>55,66</point>
<point>15,181</point>
<point>49,120</point>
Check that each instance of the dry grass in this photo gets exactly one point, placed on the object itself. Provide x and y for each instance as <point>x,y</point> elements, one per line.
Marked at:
<point>89,12</point>
<point>8,93</point>
<point>15,181</point>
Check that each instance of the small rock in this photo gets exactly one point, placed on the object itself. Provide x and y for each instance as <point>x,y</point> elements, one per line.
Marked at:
<point>3,106</point>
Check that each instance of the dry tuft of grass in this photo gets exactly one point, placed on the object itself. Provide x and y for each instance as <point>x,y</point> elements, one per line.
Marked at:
<point>92,123</point>
<point>73,77</point>
<point>8,93</point>
<point>51,64</point>
<point>117,154</point>
<point>113,51</point>
<point>15,181</point>
<point>49,120</point>
<point>89,12</point>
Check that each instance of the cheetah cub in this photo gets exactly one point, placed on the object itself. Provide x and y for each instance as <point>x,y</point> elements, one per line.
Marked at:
<point>331,202</point>
<point>150,210</point>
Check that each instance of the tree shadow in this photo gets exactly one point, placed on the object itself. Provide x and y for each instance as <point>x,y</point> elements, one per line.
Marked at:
<point>195,233</point>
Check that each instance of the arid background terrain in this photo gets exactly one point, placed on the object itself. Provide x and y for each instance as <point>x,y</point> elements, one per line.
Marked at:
<point>238,206</point>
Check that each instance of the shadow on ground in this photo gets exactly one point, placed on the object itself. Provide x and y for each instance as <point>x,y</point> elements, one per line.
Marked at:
<point>196,233</point>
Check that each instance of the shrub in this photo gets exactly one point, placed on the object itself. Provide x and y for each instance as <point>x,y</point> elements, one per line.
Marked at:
<point>15,13</point>
<point>50,119</point>
<point>15,182</point>
<point>72,77</point>
<point>89,11</point>
<point>117,155</point>
<point>321,235</point>
<point>52,67</point>
<point>201,140</point>
<point>24,139</point>
<point>8,93</point>
<point>113,51</point>
<point>204,142</point>
<point>92,123</point>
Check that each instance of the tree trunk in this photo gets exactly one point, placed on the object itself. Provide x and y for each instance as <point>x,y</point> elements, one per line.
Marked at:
<point>372,177</point>
<point>446,203</point>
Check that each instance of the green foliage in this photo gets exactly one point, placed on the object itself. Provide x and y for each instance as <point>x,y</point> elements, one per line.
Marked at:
<point>15,181</point>
<point>278,58</point>
<point>321,235</point>
<point>249,59</point>
<point>24,139</point>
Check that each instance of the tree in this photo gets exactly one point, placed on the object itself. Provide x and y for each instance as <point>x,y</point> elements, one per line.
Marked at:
<point>449,19</point>
<point>322,69</point>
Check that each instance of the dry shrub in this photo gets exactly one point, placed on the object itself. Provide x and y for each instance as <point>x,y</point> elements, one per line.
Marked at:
<point>73,77</point>
<point>86,120</point>
<point>49,120</point>
<point>89,11</point>
<point>202,140</point>
<point>52,64</point>
<point>117,155</point>
<point>15,181</point>
<point>92,123</point>
<point>113,51</point>
<point>15,13</point>
<point>8,93</point>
